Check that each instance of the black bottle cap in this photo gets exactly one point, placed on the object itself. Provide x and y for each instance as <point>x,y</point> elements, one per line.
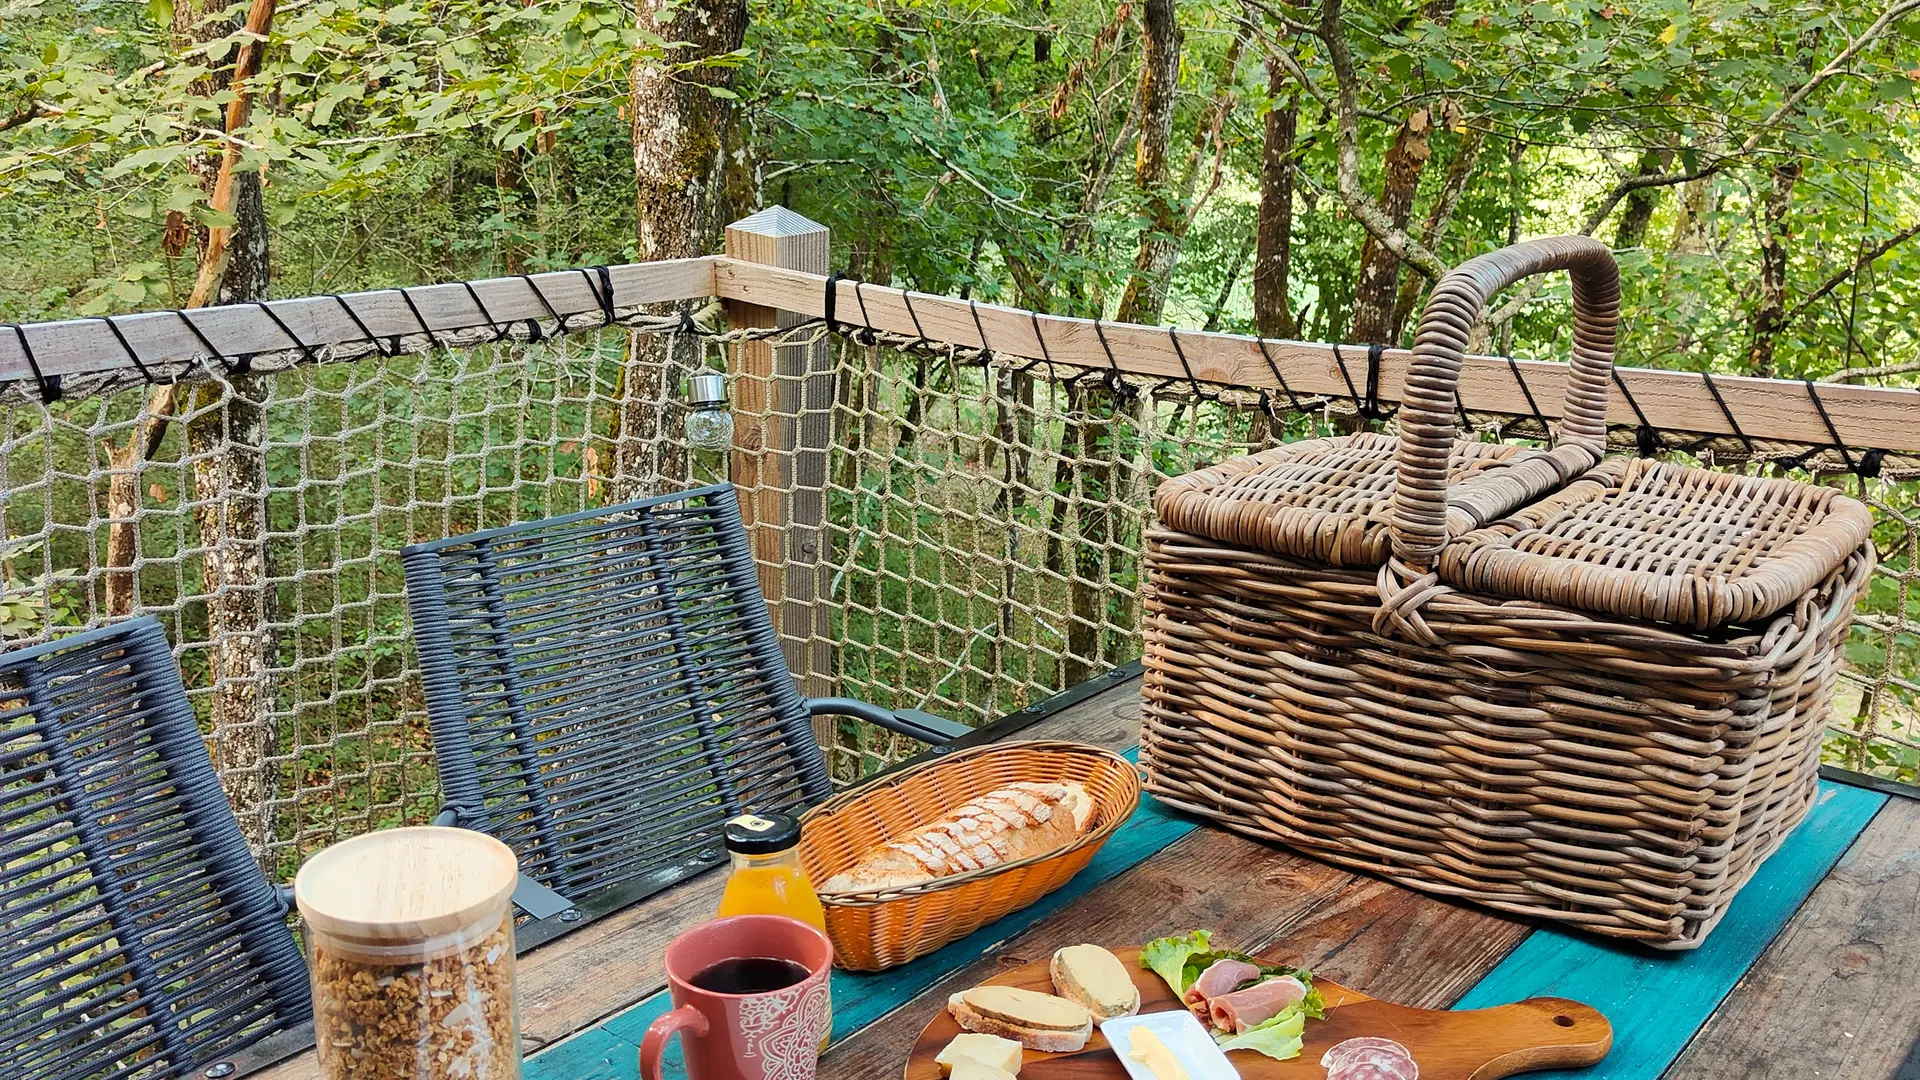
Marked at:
<point>762,834</point>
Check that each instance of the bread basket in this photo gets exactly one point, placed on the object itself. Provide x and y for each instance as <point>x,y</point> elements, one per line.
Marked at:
<point>878,930</point>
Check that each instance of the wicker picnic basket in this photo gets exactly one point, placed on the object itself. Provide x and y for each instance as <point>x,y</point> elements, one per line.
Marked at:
<point>877,930</point>
<point>1596,699</point>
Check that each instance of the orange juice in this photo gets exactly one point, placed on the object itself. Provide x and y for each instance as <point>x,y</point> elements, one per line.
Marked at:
<point>766,878</point>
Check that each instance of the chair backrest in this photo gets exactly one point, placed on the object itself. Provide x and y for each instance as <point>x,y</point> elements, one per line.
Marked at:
<point>141,939</point>
<point>605,688</point>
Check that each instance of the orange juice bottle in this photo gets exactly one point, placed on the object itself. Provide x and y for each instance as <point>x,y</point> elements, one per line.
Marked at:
<point>766,878</point>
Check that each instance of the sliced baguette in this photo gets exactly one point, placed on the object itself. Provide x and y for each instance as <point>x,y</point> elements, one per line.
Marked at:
<point>1092,977</point>
<point>1005,825</point>
<point>1034,1020</point>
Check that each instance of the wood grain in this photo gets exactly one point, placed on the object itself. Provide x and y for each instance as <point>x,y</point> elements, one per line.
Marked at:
<point>1258,898</point>
<point>1482,1044</point>
<point>1875,417</point>
<point>82,345</point>
<point>576,981</point>
<point>1837,994</point>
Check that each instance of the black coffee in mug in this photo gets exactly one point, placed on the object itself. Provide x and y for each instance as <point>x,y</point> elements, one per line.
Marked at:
<point>749,975</point>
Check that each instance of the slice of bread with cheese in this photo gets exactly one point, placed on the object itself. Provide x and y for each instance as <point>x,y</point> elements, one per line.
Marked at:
<point>1002,1054</point>
<point>1096,979</point>
<point>1036,1021</point>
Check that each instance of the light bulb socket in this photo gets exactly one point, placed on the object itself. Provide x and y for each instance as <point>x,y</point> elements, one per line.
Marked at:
<point>706,390</point>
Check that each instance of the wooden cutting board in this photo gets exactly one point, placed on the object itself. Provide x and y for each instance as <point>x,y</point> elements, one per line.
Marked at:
<point>1480,1044</point>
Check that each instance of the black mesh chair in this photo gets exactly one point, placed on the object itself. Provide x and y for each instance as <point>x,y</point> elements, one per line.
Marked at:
<point>605,689</point>
<point>141,939</point>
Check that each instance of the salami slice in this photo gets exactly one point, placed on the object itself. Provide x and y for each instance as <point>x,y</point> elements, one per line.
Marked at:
<point>1369,1058</point>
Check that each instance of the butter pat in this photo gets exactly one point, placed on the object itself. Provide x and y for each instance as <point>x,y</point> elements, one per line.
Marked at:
<point>989,1050</point>
<point>1146,1048</point>
<point>969,1069</point>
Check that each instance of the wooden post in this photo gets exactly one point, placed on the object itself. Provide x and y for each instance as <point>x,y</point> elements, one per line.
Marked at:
<point>783,415</point>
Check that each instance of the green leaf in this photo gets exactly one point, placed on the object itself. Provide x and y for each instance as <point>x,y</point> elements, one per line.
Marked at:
<point>1167,957</point>
<point>161,11</point>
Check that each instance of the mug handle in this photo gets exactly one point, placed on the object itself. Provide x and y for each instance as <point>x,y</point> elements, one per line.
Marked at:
<point>686,1018</point>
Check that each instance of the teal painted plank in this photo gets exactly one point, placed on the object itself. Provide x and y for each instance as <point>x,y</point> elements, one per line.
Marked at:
<point>593,1054</point>
<point>1657,1000</point>
<point>859,999</point>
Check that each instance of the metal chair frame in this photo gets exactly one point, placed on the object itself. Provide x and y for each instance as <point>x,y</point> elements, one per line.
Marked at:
<point>669,615</point>
<point>143,941</point>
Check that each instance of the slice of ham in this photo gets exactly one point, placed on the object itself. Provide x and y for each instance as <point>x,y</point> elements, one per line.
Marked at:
<point>1369,1058</point>
<point>1243,1009</point>
<point>1220,977</point>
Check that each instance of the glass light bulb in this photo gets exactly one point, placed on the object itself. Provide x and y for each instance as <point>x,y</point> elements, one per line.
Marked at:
<point>710,427</point>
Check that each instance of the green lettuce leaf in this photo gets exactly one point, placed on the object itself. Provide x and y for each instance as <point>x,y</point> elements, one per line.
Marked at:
<point>1167,957</point>
<point>1279,1037</point>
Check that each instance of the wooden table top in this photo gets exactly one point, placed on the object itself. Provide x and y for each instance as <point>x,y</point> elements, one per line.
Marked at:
<point>1814,974</point>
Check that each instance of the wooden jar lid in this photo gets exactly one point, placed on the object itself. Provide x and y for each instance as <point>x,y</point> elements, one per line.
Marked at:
<point>403,886</point>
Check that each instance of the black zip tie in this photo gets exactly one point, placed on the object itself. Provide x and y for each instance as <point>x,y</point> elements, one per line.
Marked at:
<point>1340,362</point>
<point>306,350</point>
<point>1845,454</point>
<point>830,300</point>
<point>559,320</point>
<point>49,387</point>
<point>1870,463</point>
<point>366,332</point>
<point>986,351</point>
<point>604,294</point>
<point>1646,438</point>
<point>1726,412</point>
<point>145,372</point>
<point>234,366</point>
<point>499,329</point>
<point>1115,384</point>
<point>1546,432</point>
<point>866,335</point>
<point>919,334</point>
<point>1199,395</point>
<point>1040,338</point>
<point>1292,399</point>
<point>687,325</point>
<point>1373,381</point>
<point>421,319</point>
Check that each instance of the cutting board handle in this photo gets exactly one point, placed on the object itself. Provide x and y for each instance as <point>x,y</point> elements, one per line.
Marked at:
<point>1538,1033</point>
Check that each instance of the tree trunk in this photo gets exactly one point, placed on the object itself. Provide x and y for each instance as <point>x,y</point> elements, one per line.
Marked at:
<point>1770,314</point>
<point>1273,229</point>
<point>1638,213</point>
<point>1439,216</point>
<point>226,437</point>
<point>679,170</point>
<point>1375,291</point>
<point>1146,292</point>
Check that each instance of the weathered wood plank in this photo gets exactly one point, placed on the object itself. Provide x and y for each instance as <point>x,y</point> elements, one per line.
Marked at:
<point>82,345</point>
<point>1867,417</point>
<point>1837,994</point>
<point>1657,1000</point>
<point>568,986</point>
<point>1256,897</point>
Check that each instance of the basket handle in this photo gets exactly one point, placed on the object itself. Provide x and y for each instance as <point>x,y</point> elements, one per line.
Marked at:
<point>1427,430</point>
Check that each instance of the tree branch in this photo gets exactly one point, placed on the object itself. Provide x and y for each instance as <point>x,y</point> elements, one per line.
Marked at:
<point>1347,156</point>
<point>1866,259</point>
<point>1834,67</point>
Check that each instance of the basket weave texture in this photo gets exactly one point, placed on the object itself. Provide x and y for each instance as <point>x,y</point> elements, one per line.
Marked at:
<point>878,930</point>
<point>1603,708</point>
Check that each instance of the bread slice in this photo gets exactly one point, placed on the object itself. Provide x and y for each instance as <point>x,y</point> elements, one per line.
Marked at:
<point>1011,823</point>
<point>971,1046</point>
<point>1034,1020</point>
<point>1095,978</point>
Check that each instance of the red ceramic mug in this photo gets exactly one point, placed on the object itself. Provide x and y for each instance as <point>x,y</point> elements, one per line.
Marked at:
<point>770,1035</point>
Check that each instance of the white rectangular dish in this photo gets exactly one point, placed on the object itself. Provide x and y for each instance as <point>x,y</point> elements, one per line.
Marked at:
<point>1192,1047</point>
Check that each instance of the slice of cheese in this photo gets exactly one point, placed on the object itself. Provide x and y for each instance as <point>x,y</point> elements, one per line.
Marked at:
<point>1028,1008</point>
<point>1002,1054</point>
<point>1095,978</point>
<point>1146,1048</point>
<point>969,1069</point>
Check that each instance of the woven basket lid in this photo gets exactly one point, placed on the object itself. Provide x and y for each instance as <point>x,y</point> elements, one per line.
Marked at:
<point>1330,500</point>
<point>1665,543</point>
<point>403,886</point>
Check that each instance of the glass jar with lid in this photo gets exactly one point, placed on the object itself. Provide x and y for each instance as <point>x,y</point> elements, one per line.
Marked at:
<point>409,936</point>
